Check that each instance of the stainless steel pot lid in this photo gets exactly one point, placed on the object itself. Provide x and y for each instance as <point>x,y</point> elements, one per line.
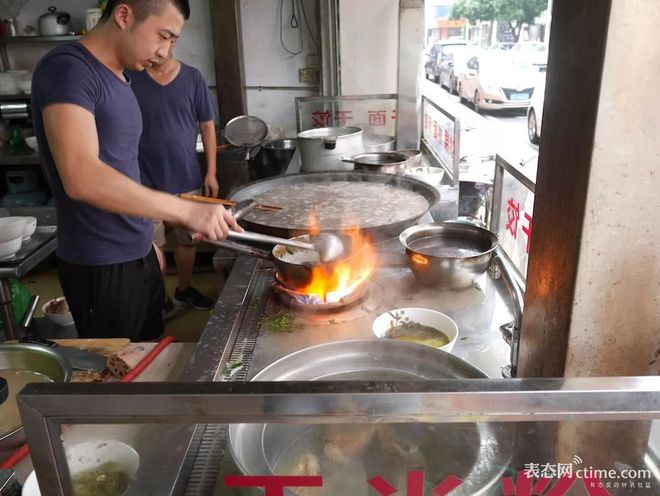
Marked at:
<point>330,132</point>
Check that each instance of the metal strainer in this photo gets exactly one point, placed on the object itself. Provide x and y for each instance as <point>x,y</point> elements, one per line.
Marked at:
<point>246,131</point>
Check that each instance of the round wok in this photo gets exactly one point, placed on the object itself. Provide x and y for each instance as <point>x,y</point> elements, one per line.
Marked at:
<point>294,265</point>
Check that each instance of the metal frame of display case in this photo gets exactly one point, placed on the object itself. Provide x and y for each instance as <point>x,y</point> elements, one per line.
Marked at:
<point>502,167</point>
<point>45,408</point>
<point>451,169</point>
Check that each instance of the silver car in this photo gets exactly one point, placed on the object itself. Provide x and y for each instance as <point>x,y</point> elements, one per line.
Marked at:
<point>495,81</point>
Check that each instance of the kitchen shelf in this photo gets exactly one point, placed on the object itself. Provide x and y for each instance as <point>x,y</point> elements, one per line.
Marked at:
<point>39,39</point>
<point>18,96</point>
<point>22,159</point>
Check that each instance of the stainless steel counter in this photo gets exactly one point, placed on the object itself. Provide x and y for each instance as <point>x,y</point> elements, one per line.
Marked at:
<point>238,329</point>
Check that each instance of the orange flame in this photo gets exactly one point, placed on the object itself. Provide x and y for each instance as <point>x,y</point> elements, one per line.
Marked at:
<point>332,282</point>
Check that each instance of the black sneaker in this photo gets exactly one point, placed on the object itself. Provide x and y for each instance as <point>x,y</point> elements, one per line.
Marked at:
<point>168,308</point>
<point>190,296</point>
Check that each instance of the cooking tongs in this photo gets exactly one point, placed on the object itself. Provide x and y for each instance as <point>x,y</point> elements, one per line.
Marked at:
<point>329,246</point>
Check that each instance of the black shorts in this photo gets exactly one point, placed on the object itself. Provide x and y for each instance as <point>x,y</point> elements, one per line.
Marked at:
<point>118,300</point>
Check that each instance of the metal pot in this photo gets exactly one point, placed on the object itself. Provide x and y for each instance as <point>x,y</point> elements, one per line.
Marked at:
<point>414,157</point>
<point>54,23</point>
<point>451,255</point>
<point>388,162</point>
<point>280,152</point>
<point>36,358</point>
<point>322,149</point>
<point>258,448</point>
<point>378,143</point>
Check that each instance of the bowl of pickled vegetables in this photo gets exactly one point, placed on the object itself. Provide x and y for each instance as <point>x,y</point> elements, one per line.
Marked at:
<point>98,468</point>
<point>417,325</point>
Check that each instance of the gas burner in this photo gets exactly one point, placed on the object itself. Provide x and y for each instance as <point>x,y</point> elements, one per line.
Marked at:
<point>313,303</point>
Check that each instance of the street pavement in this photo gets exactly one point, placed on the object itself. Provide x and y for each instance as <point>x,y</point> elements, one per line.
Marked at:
<point>489,133</point>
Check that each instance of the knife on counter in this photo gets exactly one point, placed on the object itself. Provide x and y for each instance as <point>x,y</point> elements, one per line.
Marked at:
<point>80,359</point>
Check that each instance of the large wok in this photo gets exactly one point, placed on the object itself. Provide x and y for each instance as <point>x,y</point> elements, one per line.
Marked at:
<point>476,452</point>
<point>378,231</point>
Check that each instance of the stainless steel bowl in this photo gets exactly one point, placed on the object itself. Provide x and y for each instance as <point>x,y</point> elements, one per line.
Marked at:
<point>279,152</point>
<point>378,143</point>
<point>259,448</point>
<point>451,254</point>
<point>37,359</point>
<point>388,162</point>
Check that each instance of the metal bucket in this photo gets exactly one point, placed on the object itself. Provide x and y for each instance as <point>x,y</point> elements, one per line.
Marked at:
<point>279,152</point>
<point>322,149</point>
<point>378,143</point>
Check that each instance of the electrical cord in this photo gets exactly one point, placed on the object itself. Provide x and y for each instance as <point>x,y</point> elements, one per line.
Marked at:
<point>294,23</point>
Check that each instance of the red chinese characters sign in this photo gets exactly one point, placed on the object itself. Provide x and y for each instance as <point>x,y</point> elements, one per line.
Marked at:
<point>439,134</point>
<point>516,221</point>
<point>523,485</point>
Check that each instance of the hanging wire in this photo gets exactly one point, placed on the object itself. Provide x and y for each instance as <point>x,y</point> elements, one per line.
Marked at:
<point>294,23</point>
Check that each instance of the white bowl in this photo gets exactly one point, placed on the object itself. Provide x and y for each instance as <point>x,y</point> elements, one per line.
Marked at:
<point>89,455</point>
<point>9,248</point>
<point>424,316</point>
<point>30,227</point>
<point>11,228</point>
<point>61,319</point>
<point>31,141</point>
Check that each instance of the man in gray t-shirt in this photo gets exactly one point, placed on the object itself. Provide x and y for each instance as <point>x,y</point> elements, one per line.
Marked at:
<point>88,125</point>
<point>176,104</point>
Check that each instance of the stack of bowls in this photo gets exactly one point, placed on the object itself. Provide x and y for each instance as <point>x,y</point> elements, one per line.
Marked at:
<point>11,236</point>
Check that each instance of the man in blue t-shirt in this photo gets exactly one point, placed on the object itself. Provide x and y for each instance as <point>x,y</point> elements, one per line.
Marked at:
<point>176,103</point>
<point>88,125</point>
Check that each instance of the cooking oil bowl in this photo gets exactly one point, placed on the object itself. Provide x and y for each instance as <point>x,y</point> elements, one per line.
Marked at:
<point>418,325</point>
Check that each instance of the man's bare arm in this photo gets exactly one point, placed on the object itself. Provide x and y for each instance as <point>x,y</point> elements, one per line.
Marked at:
<point>73,141</point>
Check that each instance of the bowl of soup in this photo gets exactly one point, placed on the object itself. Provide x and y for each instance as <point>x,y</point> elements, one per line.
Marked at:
<point>417,325</point>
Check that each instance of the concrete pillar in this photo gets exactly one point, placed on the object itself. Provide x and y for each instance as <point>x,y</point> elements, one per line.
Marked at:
<point>593,293</point>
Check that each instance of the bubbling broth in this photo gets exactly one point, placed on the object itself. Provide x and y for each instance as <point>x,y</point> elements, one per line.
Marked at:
<point>17,379</point>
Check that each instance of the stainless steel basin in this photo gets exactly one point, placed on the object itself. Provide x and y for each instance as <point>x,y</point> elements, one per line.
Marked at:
<point>37,359</point>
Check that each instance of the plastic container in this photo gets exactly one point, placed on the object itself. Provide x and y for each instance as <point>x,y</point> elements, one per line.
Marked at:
<point>22,181</point>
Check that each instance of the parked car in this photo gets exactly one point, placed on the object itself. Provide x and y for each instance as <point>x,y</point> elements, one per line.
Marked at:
<point>440,52</point>
<point>495,81</point>
<point>452,66</point>
<point>535,112</point>
<point>534,52</point>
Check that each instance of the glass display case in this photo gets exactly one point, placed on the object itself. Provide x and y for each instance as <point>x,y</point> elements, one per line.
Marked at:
<point>454,436</point>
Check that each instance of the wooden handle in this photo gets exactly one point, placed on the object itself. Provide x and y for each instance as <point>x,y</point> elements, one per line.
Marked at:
<point>222,201</point>
<point>207,199</point>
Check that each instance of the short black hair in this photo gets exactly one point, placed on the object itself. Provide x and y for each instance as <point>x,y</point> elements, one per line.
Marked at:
<point>145,8</point>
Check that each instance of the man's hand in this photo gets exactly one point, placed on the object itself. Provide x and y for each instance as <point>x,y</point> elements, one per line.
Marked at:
<point>213,221</point>
<point>211,187</point>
